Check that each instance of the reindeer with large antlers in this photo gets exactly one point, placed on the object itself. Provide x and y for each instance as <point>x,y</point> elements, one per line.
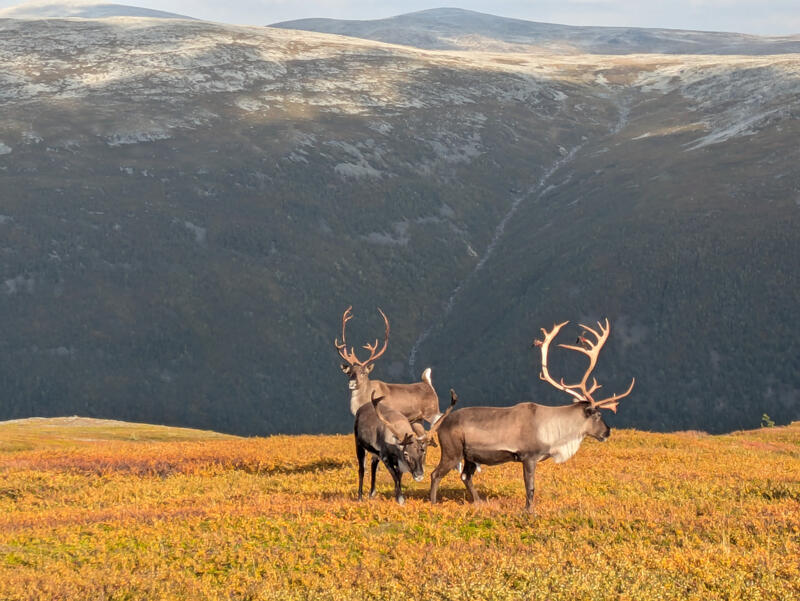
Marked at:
<point>528,432</point>
<point>417,401</point>
<point>389,437</point>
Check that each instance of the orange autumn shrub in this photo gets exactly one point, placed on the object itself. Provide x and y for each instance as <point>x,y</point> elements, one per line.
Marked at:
<point>642,516</point>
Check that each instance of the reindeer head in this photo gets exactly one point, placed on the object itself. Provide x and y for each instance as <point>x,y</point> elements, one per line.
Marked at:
<point>413,446</point>
<point>413,460</point>
<point>356,370</point>
<point>594,426</point>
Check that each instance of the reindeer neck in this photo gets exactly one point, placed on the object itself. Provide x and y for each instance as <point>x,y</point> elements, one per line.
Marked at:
<point>362,395</point>
<point>564,434</point>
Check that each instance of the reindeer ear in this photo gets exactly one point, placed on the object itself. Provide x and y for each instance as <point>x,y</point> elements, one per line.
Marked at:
<point>369,367</point>
<point>432,442</point>
<point>346,368</point>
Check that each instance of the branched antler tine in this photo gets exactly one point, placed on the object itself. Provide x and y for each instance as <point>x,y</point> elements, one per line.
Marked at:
<point>580,349</point>
<point>579,391</point>
<point>385,321</point>
<point>591,331</point>
<point>592,352</point>
<point>350,356</point>
<point>594,386</point>
<point>346,316</point>
<point>612,401</point>
<point>544,345</point>
<point>373,348</point>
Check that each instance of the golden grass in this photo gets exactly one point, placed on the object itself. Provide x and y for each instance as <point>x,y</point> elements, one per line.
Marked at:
<point>643,516</point>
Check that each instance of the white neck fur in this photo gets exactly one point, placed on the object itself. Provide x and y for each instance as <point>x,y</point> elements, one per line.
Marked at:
<point>355,403</point>
<point>563,441</point>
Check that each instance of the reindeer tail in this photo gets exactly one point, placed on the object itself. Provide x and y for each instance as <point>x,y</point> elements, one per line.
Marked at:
<point>426,377</point>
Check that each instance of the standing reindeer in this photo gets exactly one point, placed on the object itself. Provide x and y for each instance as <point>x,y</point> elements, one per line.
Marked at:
<point>527,432</point>
<point>390,437</point>
<point>417,401</point>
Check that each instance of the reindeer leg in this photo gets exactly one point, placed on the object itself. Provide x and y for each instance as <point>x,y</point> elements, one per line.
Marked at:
<point>361,456</point>
<point>440,472</point>
<point>436,477</point>
<point>528,473</point>
<point>372,469</point>
<point>398,490</point>
<point>466,477</point>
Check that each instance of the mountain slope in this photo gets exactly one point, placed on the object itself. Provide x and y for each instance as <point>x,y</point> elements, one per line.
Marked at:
<point>202,202</point>
<point>186,215</point>
<point>457,29</point>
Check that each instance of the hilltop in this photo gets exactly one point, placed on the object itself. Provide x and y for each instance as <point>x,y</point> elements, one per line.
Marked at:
<point>39,432</point>
<point>642,516</point>
<point>81,9</point>
<point>458,29</point>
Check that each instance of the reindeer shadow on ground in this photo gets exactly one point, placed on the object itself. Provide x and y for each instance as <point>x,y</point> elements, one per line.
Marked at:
<point>385,493</point>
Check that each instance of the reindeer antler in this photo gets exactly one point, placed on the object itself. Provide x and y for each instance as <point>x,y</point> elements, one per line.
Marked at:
<point>350,356</point>
<point>579,391</point>
<point>545,373</point>
<point>342,348</point>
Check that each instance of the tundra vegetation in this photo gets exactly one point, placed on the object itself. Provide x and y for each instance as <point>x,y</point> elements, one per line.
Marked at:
<point>97,510</point>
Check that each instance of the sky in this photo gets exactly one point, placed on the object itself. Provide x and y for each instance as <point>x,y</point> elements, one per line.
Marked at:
<point>762,17</point>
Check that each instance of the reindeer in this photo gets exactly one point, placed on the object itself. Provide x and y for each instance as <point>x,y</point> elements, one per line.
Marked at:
<point>417,401</point>
<point>527,432</point>
<point>389,437</point>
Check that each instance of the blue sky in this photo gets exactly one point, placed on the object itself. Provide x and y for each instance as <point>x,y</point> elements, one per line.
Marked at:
<point>764,17</point>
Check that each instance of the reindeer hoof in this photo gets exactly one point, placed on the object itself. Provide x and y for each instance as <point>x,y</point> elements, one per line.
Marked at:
<point>373,494</point>
<point>401,500</point>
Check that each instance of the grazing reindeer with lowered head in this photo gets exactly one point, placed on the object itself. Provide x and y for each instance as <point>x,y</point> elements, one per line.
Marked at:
<point>389,437</point>
<point>527,432</point>
<point>417,401</point>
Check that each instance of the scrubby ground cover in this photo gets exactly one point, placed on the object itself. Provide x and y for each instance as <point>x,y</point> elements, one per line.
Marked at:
<point>140,514</point>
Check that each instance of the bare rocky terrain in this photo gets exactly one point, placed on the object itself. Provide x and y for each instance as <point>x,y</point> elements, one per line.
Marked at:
<point>188,207</point>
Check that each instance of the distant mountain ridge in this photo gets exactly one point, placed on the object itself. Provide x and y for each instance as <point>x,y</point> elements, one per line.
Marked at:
<point>458,29</point>
<point>84,9</point>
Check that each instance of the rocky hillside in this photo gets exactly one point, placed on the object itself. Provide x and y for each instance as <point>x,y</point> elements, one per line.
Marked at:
<point>188,208</point>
